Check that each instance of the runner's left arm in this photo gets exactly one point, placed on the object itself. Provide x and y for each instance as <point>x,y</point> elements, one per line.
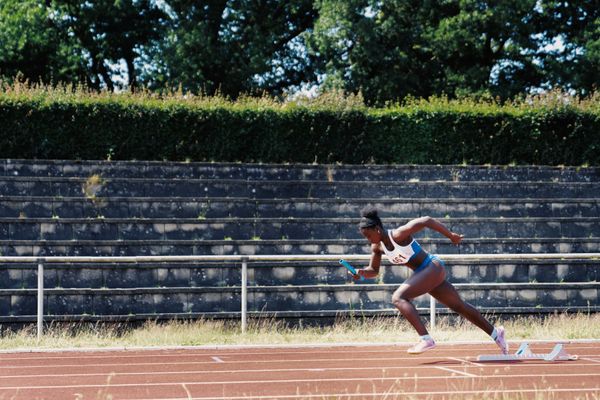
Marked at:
<point>421,223</point>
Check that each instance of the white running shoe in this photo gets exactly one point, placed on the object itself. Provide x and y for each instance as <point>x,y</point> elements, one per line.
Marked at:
<point>501,341</point>
<point>421,347</point>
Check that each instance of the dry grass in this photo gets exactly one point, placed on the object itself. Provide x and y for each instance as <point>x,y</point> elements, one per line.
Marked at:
<point>269,331</point>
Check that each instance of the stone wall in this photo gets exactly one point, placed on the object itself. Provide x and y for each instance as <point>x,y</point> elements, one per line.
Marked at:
<point>150,208</point>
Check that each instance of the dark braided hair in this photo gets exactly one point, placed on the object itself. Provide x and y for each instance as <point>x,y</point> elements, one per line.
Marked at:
<point>370,219</point>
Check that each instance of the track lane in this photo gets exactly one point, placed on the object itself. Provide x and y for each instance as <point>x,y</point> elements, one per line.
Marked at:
<point>311,372</point>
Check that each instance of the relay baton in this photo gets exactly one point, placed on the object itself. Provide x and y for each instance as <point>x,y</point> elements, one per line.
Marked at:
<point>351,269</point>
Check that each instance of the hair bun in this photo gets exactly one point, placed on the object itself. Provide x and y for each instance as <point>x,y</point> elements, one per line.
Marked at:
<point>370,218</point>
<point>370,212</point>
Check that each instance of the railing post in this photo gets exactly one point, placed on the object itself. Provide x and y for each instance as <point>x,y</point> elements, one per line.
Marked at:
<point>244,294</point>
<point>432,312</point>
<point>40,301</point>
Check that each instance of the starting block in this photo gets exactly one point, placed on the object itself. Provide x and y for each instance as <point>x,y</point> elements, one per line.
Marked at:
<point>524,353</point>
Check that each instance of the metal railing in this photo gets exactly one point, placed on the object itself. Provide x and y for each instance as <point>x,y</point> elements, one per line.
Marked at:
<point>244,259</point>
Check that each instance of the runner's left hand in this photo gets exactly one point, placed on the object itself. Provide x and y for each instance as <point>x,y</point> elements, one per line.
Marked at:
<point>456,238</point>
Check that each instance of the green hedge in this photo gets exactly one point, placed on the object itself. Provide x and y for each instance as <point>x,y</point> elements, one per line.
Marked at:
<point>39,125</point>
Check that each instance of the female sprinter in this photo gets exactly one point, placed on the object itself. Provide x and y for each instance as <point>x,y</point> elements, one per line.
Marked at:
<point>429,275</point>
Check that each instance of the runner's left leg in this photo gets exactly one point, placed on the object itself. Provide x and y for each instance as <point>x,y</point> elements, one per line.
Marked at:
<point>446,294</point>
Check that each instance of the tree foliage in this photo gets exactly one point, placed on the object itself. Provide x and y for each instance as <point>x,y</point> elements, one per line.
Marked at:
<point>233,47</point>
<point>33,47</point>
<point>389,49</point>
<point>109,31</point>
<point>576,24</point>
<point>386,50</point>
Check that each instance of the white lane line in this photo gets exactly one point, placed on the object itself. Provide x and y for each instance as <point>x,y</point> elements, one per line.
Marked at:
<point>465,361</point>
<point>217,359</point>
<point>528,364</point>
<point>385,395</point>
<point>195,352</point>
<point>453,345</point>
<point>590,359</point>
<point>369,379</point>
<point>248,371</point>
<point>457,372</point>
<point>233,362</point>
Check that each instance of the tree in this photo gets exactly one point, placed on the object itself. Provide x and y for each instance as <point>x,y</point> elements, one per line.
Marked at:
<point>489,46</point>
<point>33,47</point>
<point>378,48</point>
<point>232,47</point>
<point>390,49</point>
<point>571,31</point>
<point>110,31</point>
<point>385,49</point>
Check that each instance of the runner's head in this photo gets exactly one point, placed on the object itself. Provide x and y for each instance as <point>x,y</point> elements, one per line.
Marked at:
<point>370,225</point>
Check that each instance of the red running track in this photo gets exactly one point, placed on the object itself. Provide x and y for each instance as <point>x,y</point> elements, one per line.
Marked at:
<point>324,373</point>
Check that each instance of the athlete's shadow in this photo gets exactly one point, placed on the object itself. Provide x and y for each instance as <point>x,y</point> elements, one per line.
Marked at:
<point>444,362</point>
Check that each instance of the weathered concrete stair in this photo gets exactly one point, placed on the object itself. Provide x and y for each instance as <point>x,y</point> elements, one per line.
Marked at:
<point>148,208</point>
<point>223,207</point>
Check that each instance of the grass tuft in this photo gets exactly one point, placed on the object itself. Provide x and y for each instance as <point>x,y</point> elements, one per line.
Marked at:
<point>272,331</point>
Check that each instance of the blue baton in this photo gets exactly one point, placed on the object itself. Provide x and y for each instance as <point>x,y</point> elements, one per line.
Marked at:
<point>351,269</point>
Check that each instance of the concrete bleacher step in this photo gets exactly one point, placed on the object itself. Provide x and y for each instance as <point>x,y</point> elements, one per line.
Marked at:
<point>98,208</point>
<point>178,207</point>
<point>326,172</point>
<point>307,246</point>
<point>277,228</point>
<point>283,273</point>
<point>207,188</point>
<point>282,299</point>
